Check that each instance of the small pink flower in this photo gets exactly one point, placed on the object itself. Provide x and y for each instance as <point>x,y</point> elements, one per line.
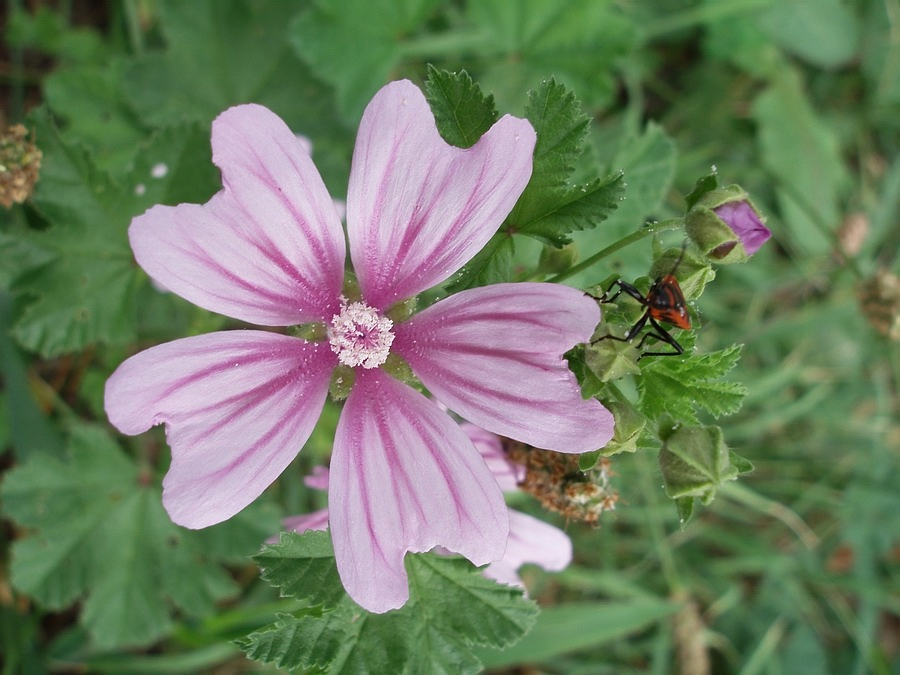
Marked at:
<point>530,540</point>
<point>269,249</point>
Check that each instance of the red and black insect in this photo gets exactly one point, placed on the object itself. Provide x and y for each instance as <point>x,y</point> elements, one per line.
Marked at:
<point>663,302</point>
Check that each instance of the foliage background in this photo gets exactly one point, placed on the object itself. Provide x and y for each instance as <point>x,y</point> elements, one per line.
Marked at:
<point>793,569</point>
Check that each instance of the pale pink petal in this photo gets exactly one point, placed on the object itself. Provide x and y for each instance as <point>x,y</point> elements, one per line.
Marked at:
<point>418,209</point>
<point>318,479</point>
<point>494,355</point>
<point>530,541</point>
<point>508,474</point>
<point>268,248</point>
<point>238,406</point>
<point>404,477</point>
<point>317,520</point>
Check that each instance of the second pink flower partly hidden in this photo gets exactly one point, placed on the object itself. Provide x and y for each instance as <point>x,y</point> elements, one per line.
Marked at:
<point>269,249</point>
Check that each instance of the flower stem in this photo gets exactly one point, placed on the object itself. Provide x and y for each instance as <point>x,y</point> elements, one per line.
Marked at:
<point>646,231</point>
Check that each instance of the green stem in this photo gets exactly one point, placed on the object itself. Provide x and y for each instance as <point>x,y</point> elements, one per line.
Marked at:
<point>133,26</point>
<point>646,231</point>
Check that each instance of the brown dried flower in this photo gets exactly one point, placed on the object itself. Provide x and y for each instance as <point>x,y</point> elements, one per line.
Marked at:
<point>879,300</point>
<point>556,480</point>
<point>20,163</point>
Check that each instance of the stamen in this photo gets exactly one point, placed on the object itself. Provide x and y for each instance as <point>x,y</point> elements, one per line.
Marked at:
<point>360,335</point>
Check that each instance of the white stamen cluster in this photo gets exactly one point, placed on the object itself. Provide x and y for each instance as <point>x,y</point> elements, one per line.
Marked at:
<point>360,335</point>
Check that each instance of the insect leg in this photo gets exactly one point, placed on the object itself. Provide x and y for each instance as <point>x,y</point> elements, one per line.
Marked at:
<point>662,335</point>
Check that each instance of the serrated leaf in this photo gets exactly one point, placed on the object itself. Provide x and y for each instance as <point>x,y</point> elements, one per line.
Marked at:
<point>575,209</point>
<point>85,295</point>
<point>678,385</point>
<point>550,207</point>
<point>462,112</point>
<point>451,608</point>
<point>370,30</point>
<point>101,534</point>
<point>303,567</point>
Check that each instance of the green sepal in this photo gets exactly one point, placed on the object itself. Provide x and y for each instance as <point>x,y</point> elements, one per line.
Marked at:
<point>705,184</point>
<point>713,236</point>
<point>311,332</point>
<point>342,379</point>
<point>695,461</point>
<point>611,360</point>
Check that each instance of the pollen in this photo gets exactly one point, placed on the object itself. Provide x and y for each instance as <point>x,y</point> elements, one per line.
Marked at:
<point>360,335</point>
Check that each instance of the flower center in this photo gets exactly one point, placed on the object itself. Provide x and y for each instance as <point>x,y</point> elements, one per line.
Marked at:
<point>360,335</point>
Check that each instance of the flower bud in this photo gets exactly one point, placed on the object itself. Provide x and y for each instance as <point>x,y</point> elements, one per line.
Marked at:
<point>726,226</point>
<point>695,461</point>
<point>554,260</point>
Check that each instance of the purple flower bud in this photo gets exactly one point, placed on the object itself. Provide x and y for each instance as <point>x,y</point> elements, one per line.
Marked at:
<point>726,226</point>
<point>745,222</point>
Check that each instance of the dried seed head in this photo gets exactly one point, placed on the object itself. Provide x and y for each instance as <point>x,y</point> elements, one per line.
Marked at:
<point>556,480</point>
<point>20,162</point>
<point>879,300</point>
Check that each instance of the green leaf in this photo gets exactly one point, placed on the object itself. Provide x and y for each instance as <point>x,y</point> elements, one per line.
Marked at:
<point>221,53</point>
<point>18,255</point>
<point>462,112</point>
<point>302,566</point>
<point>579,41</point>
<point>803,153</point>
<point>574,626</point>
<point>491,265</point>
<point>824,32</point>
<point>100,534</point>
<point>550,207</point>
<point>29,428</point>
<point>451,608</point>
<point>354,45</point>
<point>85,294</point>
<point>679,385</point>
<point>90,103</point>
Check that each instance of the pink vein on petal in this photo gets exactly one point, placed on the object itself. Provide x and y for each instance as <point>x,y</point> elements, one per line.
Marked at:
<point>417,208</point>
<point>268,248</point>
<point>404,478</point>
<point>494,355</point>
<point>238,406</point>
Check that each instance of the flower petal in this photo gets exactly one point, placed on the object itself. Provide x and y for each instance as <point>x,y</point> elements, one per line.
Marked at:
<point>530,541</point>
<point>237,405</point>
<point>404,477</point>
<point>418,209</point>
<point>268,248</point>
<point>316,520</point>
<point>494,355</point>
<point>508,474</point>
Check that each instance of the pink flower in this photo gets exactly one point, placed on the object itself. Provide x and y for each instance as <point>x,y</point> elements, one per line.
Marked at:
<point>530,540</point>
<point>269,249</point>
